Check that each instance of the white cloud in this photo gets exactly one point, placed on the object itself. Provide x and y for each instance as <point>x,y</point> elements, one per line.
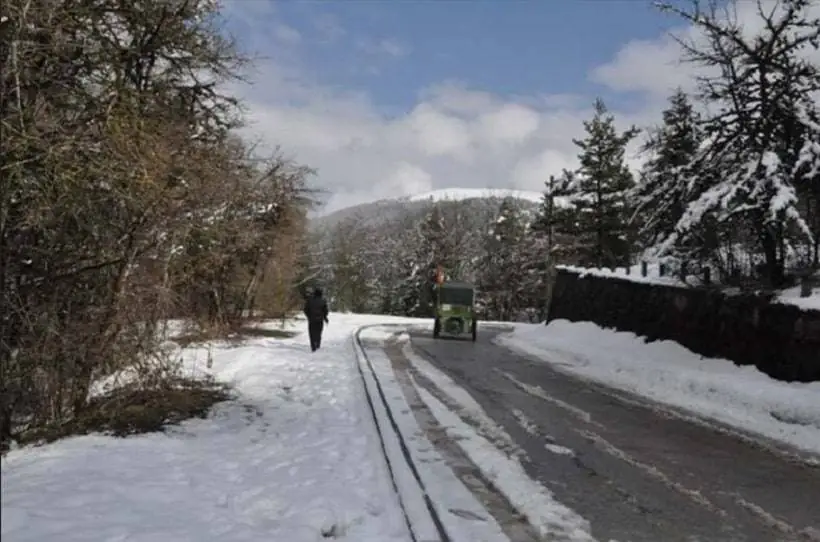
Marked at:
<point>453,136</point>
<point>655,66</point>
<point>529,172</point>
<point>438,133</point>
<point>363,156</point>
<point>651,66</point>
<point>407,180</point>
<point>510,123</point>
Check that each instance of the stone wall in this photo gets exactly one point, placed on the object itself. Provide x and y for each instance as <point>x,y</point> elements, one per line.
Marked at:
<point>782,341</point>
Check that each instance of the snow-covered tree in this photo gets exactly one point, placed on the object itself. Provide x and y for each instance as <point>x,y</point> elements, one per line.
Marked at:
<point>389,261</point>
<point>807,177</point>
<point>429,251</point>
<point>761,89</point>
<point>352,278</point>
<point>400,278</point>
<point>663,191</point>
<point>503,269</point>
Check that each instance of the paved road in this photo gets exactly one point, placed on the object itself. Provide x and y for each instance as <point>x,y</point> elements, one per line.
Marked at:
<point>636,473</point>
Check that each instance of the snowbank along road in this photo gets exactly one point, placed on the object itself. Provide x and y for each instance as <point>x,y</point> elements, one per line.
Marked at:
<point>636,473</point>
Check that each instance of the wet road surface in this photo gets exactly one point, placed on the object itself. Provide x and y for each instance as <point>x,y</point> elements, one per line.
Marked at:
<point>637,473</point>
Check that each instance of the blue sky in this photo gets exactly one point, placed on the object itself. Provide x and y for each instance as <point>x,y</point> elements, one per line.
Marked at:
<point>512,47</point>
<point>395,97</point>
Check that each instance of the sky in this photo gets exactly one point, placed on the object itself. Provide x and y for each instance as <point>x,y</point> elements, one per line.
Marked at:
<point>387,98</point>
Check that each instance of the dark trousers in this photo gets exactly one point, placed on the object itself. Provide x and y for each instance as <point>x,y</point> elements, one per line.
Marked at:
<point>315,333</point>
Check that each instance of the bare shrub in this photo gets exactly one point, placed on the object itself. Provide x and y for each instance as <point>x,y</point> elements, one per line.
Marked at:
<point>125,199</point>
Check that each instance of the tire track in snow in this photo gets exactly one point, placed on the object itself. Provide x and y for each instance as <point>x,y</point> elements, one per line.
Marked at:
<point>652,471</point>
<point>514,525</point>
<point>811,535</point>
<point>532,429</point>
<point>361,355</point>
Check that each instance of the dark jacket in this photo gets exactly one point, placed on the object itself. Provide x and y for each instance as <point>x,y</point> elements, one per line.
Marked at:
<point>316,309</point>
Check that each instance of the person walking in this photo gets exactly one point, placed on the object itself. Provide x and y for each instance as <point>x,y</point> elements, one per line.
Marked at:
<point>316,314</point>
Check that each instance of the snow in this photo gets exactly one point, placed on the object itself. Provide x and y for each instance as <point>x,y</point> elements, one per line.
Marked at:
<point>297,455</point>
<point>791,296</point>
<point>558,449</point>
<point>455,503</point>
<point>653,275</point>
<point>669,374</point>
<point>457,194</point>
<point>294,456</point>
<point>468,407</point>
<point>412,495</point>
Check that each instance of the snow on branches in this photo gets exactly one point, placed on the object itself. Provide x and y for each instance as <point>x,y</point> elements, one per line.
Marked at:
<point>759,152</point>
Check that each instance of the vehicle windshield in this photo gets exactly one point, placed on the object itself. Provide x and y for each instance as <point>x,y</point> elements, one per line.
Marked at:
<point>456,296</point>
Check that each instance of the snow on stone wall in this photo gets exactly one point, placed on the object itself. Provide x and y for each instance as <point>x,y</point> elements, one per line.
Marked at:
<point>780,339</point>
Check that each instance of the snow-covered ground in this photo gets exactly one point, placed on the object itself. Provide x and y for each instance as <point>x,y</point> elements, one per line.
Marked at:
<point>296,458</point>
<point>791,296</point>
<point>668,373</point>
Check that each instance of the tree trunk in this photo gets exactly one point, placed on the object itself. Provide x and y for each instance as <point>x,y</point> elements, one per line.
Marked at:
<point>250,289</point>
<point>110,330</point>
<point>773,265</point>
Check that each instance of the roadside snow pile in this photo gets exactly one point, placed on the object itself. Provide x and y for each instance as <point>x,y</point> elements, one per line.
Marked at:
<point>668,373</point>
<point>296,457</point>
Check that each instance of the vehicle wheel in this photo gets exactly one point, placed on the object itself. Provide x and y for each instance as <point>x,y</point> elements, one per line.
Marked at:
<point>436,328</point>
<point>475,330</point>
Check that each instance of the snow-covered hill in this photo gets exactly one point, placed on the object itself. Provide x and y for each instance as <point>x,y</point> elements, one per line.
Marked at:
<point>397,208</point>
<point>457,194</point>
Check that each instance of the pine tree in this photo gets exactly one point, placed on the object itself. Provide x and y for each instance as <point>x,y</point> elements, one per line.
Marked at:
<point>663,191</point>
<point>556,222</point>
<point>599,189</point>
<point>548,239</point>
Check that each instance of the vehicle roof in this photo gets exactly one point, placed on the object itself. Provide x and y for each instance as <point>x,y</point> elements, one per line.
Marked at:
<point>457,284</point>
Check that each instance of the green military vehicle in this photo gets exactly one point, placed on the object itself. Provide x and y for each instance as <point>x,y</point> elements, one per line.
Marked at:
<point>455,313</point>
